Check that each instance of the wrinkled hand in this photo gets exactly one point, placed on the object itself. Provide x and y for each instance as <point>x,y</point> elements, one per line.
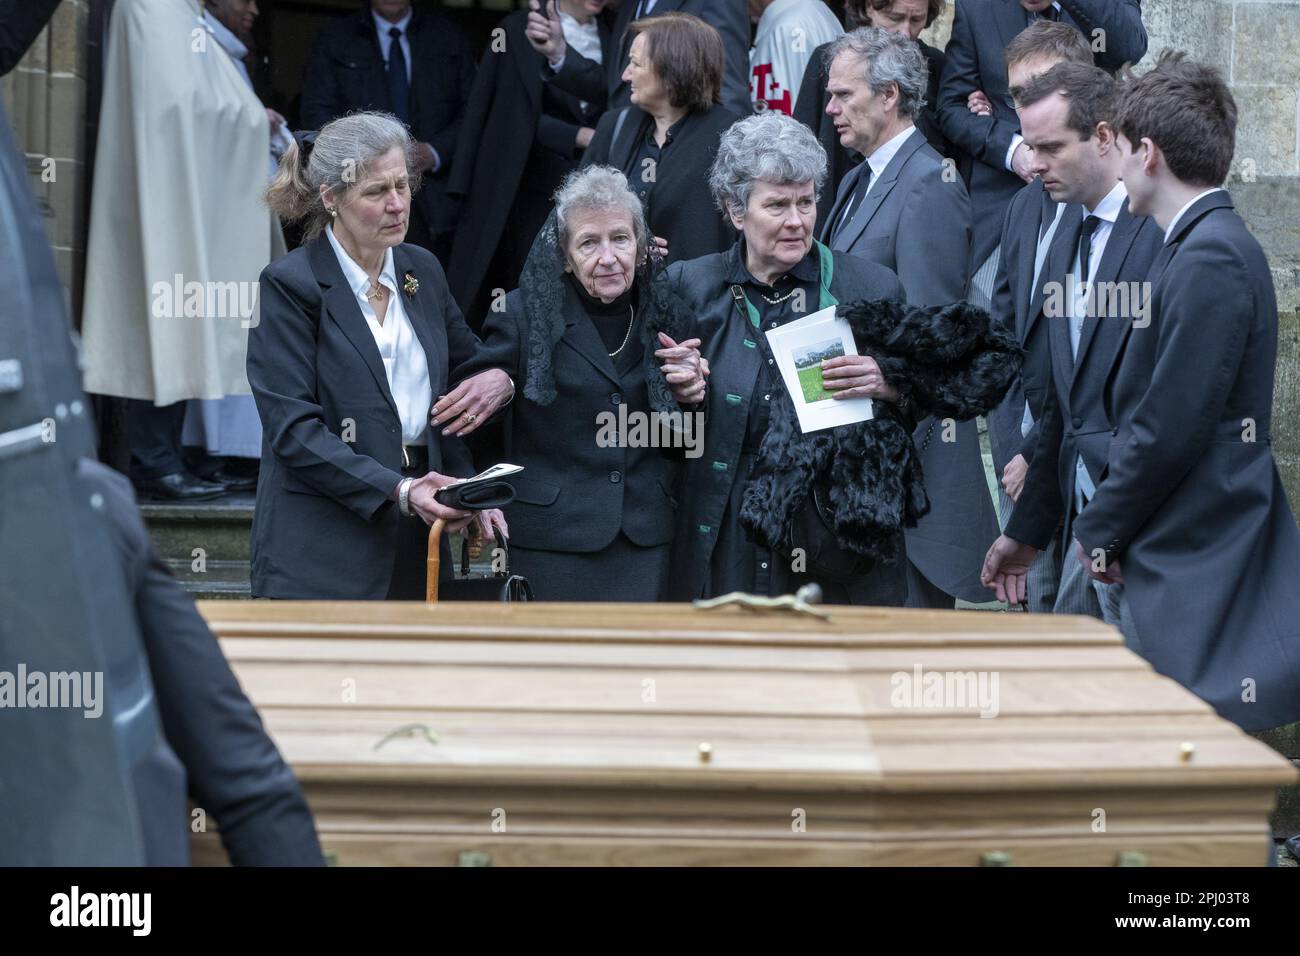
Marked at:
<point>471,403</point>
<point>1013,477</point>
<point>1110,574</point>
<point>544,32</point>
<point>583,139</point>
<point>1020,161</point>
<point>856,376</point>
<point>979,104</point>
<point>684,369</point>
<point>423,502</point>
<point>660,250</point>
<point>1006,567</point>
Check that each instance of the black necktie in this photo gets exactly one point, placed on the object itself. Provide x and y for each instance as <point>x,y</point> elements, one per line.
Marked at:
<point>855,200</point>
<point>1051,13</point>
<point>399,86</point>
<point>1085,245</point>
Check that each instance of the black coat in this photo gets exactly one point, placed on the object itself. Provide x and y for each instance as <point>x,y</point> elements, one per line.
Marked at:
<point>981,29</point>
<point>702,286</point>
<point>681,207</point>
<point>1071,420</point>
<point>1191,502</point>
<point>810,109</point>
<point>491,171</point>
<point>346,74</point>
<point>575,495</point>
<point>1017,304</point>
<point>232,769</point>
<point>21,21</point>
<point>324,526</point>
<point>590,80</point>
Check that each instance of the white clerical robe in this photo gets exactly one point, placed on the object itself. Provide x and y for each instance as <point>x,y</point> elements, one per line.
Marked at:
<point>178,230</point>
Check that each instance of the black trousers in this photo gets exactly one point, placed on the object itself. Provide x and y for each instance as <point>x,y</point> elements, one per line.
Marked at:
<point>154,434</point>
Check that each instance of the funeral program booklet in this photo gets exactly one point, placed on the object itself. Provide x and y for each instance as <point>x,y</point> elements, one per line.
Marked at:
<point>799,348</point>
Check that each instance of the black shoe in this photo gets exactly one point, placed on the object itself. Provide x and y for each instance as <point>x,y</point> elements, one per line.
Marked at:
<point>232,481</point>
<point>179,486</point>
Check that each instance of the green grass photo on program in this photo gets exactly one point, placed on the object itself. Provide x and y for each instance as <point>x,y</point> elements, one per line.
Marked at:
<point>808,363</point>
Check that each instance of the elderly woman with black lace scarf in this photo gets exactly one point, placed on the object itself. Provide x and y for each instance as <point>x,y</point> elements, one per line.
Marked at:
<point>768,508</point>
<point>607,391</point>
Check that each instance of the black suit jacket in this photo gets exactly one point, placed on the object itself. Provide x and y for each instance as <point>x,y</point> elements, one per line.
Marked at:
<point>21,21</point>
<point>1191,502</point>
<point>346,74</point>
<point>981,29</point>
<point>575,495</point>
<point>681,207</point>
<point>324,526</point>
<point>1072,420</point>
<point>233,769</point>
<point>1017,304</point>
<point>591,81</point>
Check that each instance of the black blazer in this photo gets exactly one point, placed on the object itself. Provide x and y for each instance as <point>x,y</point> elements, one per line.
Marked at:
<point>575,495</point>
<point>1072,421</point>
<point>1191,502</point>
<point>324,526</point>
<point>681,207</point>
<point>509,100</point>
<point>981,29</point>
<point>232,769</point>
<point>590,81</point>
<point>345,74</point>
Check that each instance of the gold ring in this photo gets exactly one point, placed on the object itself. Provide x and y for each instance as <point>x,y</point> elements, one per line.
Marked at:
<point>471,419</point>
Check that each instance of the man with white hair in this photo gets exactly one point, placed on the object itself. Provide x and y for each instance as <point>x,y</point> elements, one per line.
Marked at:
<point>906,208</point>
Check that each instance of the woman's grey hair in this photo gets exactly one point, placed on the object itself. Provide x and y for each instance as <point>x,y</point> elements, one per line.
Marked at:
<point>596,188</point>
<point>888,58</point>
<point>769,146</point>
<point>343,150</point>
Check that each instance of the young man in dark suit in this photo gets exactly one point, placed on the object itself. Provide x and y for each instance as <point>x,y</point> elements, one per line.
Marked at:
<point>1030,224</point>
<point>1190,526</point>
<point>413,64</point>
<point>981,29</point>
<point>1095,271</point>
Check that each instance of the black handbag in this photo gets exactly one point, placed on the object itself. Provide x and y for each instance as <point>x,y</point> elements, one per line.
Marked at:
<point>498,586</point>
<point>477,495</point>
<point>827,560</point>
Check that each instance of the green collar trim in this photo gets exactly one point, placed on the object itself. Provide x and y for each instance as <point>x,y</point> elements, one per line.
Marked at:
<point>825,299</point>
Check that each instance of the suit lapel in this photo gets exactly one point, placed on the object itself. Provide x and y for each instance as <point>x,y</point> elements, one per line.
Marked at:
<point>580,335</point>
<point>878,191</point>
<point>1117,246</point>
<point>344,309</point>
<point>1056,265</point>
<point>418,309</point>
<point>847,185</point>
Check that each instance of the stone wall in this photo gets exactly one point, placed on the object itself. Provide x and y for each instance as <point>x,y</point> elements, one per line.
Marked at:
<point>45,97</point>
<point>1256,45</point>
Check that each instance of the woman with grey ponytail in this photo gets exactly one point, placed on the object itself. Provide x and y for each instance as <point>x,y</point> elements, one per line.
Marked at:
<point>357,337</point>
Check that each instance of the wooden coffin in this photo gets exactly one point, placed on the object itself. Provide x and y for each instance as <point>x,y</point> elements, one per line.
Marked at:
<point>662,734</point>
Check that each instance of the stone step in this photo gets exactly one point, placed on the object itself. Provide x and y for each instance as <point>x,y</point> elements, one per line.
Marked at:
<point>219,527</point>
<point>219,580</point>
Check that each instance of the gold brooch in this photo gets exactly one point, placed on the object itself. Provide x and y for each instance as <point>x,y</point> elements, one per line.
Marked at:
<point>411,285</point>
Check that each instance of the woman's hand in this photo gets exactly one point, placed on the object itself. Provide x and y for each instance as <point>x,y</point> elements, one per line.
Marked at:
<point>489,520</point>
<point>422,501</point>
<point>472,402</point>
<point>684,369</point>
<point>544,32</point>
<point>856,376</point>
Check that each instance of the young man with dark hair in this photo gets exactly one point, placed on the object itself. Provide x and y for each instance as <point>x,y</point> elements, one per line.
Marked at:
<point>1190,524</point>
<point>1093,282</point>
<point>1030,224</point>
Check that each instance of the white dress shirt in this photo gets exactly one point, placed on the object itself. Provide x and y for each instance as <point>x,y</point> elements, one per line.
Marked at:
<point>1082,300</point>
<point>877,162</point>
<point>405,364</point>
<point>1192,202</point>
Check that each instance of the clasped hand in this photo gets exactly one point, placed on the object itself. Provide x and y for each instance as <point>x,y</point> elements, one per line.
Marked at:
<point>684,369</point>
<point>856,376</point>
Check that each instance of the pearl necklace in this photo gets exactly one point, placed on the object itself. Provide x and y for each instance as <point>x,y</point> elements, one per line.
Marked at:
<point>628,334</point>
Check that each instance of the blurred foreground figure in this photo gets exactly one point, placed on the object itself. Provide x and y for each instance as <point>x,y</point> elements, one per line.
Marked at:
<point>178,232</point>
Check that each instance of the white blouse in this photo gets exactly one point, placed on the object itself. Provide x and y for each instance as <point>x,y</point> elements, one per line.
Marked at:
<point>405,363</point>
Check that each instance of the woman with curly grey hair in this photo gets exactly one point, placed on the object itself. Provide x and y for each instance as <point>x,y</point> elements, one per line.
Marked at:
<point>768,508</point>
<point>356,341</point>
<point>609,392</point>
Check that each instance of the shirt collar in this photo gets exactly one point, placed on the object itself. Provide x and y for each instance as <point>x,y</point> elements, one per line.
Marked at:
<point>1109,207</point>
<point>806,269</point>
<point>883,154</point>
<point>356,276</point>
<point>229,42</point>
<point>668,136</point>
<point>383,26</point>
<point>1173,223</point>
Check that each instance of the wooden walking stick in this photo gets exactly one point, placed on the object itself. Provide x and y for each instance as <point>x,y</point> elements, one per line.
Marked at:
<point>433,562</point>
